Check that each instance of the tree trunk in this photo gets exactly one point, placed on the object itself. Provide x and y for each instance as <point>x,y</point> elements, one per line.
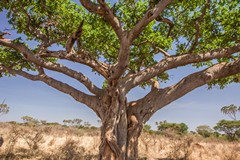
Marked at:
<point>119,131</point>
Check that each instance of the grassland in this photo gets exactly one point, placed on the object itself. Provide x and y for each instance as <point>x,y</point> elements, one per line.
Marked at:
<point>57,142</point>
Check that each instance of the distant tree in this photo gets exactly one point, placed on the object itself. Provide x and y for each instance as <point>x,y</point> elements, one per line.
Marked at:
<point>146,128</point>
<point>43,122</point>
<point>4,109</point>
<point>77,122</point>
<point>52,123</point>
<point>178,128</point>
<point>30,120</point>
<point>86,124</point>
<point>67,122</point>
<point>231,111</point>
<point>204,130</point>
<point>230,128</point>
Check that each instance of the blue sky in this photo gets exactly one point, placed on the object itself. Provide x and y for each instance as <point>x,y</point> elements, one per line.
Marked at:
<point>40,101</point>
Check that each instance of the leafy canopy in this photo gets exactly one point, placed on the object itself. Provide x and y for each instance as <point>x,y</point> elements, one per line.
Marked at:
<point>230,128</point>
<point>199,26</point>
<point>204,130</point>
<point>231,111</point>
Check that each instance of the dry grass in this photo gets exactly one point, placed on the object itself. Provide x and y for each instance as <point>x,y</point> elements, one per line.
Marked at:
<point>69,143</point>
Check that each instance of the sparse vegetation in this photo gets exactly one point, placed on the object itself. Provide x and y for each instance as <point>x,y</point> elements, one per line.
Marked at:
<point>76,139</point>
<point>57,142</point>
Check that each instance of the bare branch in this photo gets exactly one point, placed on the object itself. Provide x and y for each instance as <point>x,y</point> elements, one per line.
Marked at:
<point>123,60</point>
<point>148,17</point>
<point>176,61</point>
<point>63,87</point>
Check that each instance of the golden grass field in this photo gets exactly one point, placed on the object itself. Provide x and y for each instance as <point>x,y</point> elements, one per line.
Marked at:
<point>57,142</point>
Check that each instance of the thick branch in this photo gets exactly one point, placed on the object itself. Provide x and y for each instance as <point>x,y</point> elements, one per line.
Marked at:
<point>52,66</point>
<point>123,60</point>
<point>92,7</point>
<point>198,79</point>
<point>148,17</point>
<point>90,101</point>
<point>73,74</point>
<point>159,98</point>
<point>111,18</point>
<point>103,10</point>
<point>176,61</point>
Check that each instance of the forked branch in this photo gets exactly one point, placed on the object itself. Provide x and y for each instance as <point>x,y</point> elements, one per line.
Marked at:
<point>63,87</point>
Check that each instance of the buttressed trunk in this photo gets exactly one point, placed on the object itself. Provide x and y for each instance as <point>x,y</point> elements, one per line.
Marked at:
<point>120,130</point>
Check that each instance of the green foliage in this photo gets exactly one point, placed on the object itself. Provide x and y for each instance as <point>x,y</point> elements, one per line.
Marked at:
<point>204,130</point>
<point>216,24</point>
<point>52,19</point>
<point>230,128</point>
<point>76,123</point>
<point>52,124</point>
<point>14,59</point>
<point>178,128</point>
<point>147,128</point>
<point>223,82</point>
<point>30,120</point>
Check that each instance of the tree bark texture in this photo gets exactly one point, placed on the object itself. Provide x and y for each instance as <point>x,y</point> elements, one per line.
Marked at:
<point>120,130</point>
